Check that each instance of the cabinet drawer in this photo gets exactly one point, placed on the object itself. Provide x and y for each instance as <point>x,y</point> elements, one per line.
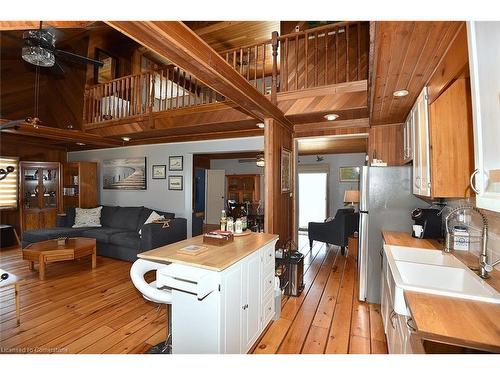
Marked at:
<point>267,309</point>
<point>268,283</point>
<point>268,254</point>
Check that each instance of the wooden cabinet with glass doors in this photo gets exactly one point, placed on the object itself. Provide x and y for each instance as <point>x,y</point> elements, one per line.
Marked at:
<point>40,194</point>
<point>243,188</point>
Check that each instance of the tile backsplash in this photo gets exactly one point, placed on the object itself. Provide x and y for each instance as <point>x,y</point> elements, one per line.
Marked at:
<point>474,225</point>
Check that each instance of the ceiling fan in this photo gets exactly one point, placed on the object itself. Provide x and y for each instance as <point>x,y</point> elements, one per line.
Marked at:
<point>39,49</point>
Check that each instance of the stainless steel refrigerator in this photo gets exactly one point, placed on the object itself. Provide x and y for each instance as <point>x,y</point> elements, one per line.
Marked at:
<point>385,203</point>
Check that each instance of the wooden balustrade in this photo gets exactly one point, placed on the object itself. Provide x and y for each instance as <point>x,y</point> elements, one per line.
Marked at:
<point>151,91</point>
<point>254,62</point>
<point>325,55</point>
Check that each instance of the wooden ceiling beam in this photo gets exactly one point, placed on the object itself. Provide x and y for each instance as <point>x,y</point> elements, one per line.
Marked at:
<point>63,135</point>
<point>179,44</point>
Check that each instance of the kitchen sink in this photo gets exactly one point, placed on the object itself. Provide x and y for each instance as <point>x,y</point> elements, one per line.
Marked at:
<point>433,272</point>
<point>446,281</point>
<point>436,257</point>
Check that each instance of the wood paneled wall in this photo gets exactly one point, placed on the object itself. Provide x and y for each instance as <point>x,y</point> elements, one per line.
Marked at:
<point>386,142</point>
<point>278,206</point>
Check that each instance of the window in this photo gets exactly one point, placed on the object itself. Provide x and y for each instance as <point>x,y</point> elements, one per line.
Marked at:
<point>8,182</point>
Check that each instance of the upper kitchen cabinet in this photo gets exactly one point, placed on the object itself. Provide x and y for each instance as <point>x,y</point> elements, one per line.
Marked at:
<point>451,142</point>
<point>484,63</point>
<point>443,151</point>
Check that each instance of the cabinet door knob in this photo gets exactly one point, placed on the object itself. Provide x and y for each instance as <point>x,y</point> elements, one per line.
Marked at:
<point>410,325</point>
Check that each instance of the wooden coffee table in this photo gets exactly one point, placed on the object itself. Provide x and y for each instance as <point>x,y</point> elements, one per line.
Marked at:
<point>50,252</point>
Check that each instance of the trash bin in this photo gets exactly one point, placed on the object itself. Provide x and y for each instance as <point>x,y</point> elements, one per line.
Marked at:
<point>295,263</point>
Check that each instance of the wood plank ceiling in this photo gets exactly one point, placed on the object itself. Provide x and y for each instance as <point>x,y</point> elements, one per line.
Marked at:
<point>224,35</point>
<point>405,56</point>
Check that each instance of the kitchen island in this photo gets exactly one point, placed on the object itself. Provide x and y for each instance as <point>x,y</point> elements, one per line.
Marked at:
<point>222,298</point>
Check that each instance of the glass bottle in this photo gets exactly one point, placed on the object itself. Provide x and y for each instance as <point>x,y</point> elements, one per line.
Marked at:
<point>223,220</point>
<point>238,226</point>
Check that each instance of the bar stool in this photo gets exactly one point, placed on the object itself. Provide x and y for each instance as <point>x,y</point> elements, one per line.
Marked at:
<point>152,293</point>
<point>9,279</point>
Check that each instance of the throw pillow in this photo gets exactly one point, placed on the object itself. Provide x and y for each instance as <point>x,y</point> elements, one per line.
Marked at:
<point>87,217</point>
<point>153,217</point>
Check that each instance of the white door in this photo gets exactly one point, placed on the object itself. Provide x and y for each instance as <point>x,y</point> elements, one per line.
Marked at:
<point>214,198</point>
<point>251,307</point>
<point>233,311</point>
<point>484,62</point>
<point>313,197</point>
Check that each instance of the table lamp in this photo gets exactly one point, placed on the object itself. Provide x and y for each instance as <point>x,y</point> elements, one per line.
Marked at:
<point>351,197</point>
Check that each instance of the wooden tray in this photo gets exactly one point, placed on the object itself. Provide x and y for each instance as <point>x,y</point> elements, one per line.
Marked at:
<point>218,241</point>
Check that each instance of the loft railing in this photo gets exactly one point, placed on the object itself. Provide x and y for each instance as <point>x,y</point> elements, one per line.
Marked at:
<point>325,55</point>
<point>151,91</point>
<point>254,62</point>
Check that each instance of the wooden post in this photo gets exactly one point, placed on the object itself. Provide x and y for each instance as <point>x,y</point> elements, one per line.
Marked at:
<point>274,85</point>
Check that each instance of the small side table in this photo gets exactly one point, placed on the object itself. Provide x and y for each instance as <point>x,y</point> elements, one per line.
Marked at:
<point>10,280</point>
<point>352,245</point>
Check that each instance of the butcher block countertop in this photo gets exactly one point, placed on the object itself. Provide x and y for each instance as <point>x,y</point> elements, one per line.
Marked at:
<point>216,258</point>
<point>449,320</point>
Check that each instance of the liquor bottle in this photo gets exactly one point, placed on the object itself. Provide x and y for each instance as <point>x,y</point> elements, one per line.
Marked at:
<point>223,220</point>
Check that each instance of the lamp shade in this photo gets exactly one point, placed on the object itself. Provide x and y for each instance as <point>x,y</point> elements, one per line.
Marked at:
<point>351,196</point>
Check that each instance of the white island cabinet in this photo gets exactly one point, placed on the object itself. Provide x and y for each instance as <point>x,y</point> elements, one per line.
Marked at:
<point>484,63</point>
<point>222,299</point>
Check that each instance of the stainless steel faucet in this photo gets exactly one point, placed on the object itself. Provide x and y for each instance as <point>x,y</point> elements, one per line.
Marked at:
<point>484,267</point>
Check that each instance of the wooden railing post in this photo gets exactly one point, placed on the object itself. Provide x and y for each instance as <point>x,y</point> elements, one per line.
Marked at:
<point>274,83</point>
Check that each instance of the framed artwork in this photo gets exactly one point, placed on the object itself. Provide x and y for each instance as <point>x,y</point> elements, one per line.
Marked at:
<point>124,174</point>
<point>175,163</point>
<point>175,182</point>
<point>349,174</point>
<point>109,70</point>
<point>286,170</point>
<point>159,172</point>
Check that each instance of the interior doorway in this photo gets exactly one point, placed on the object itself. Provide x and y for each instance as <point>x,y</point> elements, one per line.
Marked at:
<point>313,195</point>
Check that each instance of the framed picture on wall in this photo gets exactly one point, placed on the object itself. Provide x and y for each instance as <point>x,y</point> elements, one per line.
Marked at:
<point>286,170</point>
<point>124,174</point>
<point>175,163</point>
<point>349,174</point>
<point>175,182</point>
<point>159,172</point>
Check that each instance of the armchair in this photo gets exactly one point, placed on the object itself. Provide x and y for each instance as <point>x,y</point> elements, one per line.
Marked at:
<point>335,231</point>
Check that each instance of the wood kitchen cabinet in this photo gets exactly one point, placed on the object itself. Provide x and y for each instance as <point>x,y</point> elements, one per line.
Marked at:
<point>484,63</point>
<point>442,144</point>
<point>40,194</point>
<point>451,142</point>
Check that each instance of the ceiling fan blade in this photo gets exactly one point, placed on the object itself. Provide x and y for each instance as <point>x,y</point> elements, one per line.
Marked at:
<point>11,124</point>
<point>77,58</point>
<point>58,69</point>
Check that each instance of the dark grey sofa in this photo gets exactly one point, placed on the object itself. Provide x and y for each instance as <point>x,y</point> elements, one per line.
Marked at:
<point>119,235</point>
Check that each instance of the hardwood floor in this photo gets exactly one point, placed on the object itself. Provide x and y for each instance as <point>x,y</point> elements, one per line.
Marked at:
<point>327,317</point>
<point>79,310</point>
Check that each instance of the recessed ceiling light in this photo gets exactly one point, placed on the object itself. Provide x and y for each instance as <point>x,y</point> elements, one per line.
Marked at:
<point>331,116</point>
<point>400,93</point>
<point>126,139</point>
<point>80,143</point>
<point>260,125</point>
